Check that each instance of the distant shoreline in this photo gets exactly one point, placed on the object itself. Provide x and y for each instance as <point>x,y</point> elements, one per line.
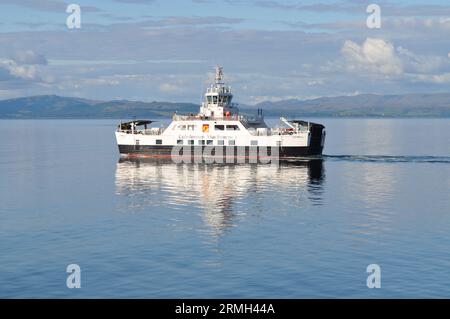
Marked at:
<point>358,106</point>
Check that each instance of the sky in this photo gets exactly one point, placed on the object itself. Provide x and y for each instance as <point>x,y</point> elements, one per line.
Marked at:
<point>271,50</point>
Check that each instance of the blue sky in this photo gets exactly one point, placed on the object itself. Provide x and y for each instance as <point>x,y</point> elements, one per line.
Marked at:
<point>270,49</point>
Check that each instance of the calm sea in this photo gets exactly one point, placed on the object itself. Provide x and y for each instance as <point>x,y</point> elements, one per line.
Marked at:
<point>381,195</point>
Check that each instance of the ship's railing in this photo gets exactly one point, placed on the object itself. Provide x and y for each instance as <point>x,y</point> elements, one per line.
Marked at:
<point>150,131</point>
<point>177,117</point>
<point>275,131</point>
<point>260,133</point>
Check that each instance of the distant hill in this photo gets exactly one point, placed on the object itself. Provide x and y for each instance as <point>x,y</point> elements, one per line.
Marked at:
<point>366,105</point>
<point>52,106</point>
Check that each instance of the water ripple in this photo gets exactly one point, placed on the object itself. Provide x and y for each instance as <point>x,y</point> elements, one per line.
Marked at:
<point>389,158</point>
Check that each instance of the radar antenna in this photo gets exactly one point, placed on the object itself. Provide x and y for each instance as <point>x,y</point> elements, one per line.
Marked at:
<point>219,74</point>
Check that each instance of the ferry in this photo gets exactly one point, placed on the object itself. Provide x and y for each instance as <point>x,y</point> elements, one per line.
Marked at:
<point>219,130</point>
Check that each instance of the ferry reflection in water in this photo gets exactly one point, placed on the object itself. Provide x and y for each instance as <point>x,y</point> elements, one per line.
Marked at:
<point>222,193</point>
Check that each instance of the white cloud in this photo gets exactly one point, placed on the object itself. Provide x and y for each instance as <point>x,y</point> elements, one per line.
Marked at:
<point>416,63</point>
<point>101,81</point>
<point>433,78</point>
<point>14,70</point>
<point>315,82</point>
<point>373,56</point>
<point>29,57</point>
<point>22,67</point>
<point>169,88</point>
<point>388,64</point>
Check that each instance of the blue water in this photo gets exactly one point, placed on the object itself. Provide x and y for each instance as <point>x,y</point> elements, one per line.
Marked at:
<point>156,229</point>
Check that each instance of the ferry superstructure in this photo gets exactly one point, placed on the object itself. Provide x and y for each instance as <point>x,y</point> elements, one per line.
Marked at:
<point>219,126</point>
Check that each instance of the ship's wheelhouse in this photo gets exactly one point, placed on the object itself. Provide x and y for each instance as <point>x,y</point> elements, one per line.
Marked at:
<point>218,99</point>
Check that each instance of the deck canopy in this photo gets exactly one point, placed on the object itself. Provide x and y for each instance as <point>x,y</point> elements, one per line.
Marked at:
<point>300,122</point>
<point>304,123</point>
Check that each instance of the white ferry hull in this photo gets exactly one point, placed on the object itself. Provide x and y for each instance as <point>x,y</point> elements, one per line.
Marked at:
<point>228,151</point>
<point>309,143</point>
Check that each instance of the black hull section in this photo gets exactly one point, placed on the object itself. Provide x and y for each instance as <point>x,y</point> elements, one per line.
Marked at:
<point>228,151</point>
<point>317,136</point>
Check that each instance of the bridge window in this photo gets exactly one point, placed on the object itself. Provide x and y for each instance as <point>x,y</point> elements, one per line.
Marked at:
<point>253,142</point>
<point>201,142</point>
<point>209,142</point>
<point>220,142</point>
<point>191,127</point>
<point>231,142</point>
<point>219,127</point>
<point>158,142</point>
<point>232,128</point>
<point>223,99</point>
<point>191,142</point>
<point>215,99</point>
<point>180,142</point>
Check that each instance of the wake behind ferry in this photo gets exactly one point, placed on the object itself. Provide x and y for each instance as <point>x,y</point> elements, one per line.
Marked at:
<point>219,125</point>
